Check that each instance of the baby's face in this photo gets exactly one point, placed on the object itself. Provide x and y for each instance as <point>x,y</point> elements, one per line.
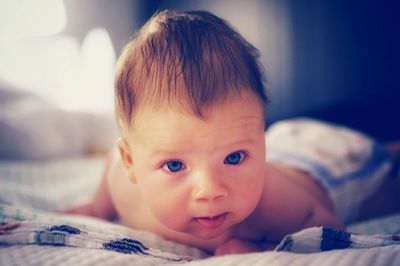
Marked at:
<point>200,176</point>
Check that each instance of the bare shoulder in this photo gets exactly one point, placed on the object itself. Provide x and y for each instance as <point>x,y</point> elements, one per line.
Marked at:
<point>289,200</point>
<point>123,192</point>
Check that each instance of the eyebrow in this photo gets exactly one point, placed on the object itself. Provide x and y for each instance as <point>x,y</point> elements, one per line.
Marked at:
<point>247,140</point>
<point>218,147</point>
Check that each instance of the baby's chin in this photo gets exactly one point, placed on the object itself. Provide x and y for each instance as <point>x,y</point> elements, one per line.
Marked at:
<point>196,230</point>
<point>207,234</point>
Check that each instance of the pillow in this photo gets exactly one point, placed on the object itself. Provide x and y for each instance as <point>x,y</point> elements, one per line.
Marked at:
<point>33,129</point>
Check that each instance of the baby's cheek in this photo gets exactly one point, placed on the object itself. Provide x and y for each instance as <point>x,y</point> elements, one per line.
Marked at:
<point>250,188</point>
<point>168,210</point>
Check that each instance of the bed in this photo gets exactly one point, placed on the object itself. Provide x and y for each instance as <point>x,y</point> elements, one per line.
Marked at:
<point>33,233</point>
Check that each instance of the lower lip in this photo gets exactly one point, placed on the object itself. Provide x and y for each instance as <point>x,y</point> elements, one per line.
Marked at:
<point>210,223</point>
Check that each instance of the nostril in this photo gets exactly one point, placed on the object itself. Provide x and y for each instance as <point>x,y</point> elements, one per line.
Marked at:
<point>219,197</point>
<point>207,196</point>
<point>209,187</point>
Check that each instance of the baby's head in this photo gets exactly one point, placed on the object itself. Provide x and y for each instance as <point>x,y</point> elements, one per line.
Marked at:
<point>191,61</point>
<point>190,101</point>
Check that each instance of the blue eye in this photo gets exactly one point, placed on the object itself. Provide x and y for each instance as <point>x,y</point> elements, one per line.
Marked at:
<point>235,157</point>
<point>173,166</point>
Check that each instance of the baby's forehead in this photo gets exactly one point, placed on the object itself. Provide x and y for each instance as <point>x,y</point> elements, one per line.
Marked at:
<point>235,113</point>
<point>173,133</point>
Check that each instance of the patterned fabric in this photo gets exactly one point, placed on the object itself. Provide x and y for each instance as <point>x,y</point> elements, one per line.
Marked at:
<point>317,239</point>
<point>340,159</point>
<point>24,226</point>
<point>30,237</point>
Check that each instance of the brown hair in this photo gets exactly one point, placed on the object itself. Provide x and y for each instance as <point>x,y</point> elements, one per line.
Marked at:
<point>193,58</point>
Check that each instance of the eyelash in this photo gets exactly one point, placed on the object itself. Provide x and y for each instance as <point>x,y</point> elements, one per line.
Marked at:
<point>181,166</point>
<point>166,168</point>
<point>243,155</point>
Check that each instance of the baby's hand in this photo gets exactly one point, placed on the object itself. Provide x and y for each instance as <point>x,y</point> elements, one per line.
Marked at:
<point>87,209</point>
<point>93,209</point>
<point>236,246</point>
<point>83,209</point>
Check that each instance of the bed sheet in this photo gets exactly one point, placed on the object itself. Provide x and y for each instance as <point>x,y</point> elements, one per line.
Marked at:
<point>32,234</point>
<point>49,185</point>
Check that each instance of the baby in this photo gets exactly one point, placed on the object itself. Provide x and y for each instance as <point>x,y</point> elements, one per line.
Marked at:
<point>191,161</point>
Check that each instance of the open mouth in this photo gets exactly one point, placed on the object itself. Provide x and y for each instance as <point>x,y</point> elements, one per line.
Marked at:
<point>211,222</point>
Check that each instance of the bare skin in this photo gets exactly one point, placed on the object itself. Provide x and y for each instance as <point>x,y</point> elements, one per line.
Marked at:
<point>111,200</point>
<point>108,205</point>
<point>208,186</point>
<point>105,205</point>
<point>205,182</point>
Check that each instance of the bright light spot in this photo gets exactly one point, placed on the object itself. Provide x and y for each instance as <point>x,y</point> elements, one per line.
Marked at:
<point>27,18</point>
<point>91,88</point>
<point>55,67</point>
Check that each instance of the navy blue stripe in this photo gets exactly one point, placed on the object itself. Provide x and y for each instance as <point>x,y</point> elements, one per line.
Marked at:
<point>126,245</point>
<point>333,238</point>
<point>65,228</point>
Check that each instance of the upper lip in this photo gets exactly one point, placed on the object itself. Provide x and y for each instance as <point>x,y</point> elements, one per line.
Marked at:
<point>210,216</point>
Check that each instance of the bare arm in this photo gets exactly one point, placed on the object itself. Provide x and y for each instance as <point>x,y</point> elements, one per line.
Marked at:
<point>320,216</point>
<point>100,205</point>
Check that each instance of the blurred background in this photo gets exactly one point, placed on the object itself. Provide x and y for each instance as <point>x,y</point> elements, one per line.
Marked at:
<point>335,60</point>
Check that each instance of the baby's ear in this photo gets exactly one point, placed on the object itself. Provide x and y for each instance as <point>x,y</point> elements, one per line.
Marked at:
<point>126,157</point>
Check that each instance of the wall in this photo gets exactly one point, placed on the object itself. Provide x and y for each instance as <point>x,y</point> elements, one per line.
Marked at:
<point>336,60</point>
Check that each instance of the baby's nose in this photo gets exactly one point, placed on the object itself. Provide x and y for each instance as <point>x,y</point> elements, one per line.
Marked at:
<point>209,188</point>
